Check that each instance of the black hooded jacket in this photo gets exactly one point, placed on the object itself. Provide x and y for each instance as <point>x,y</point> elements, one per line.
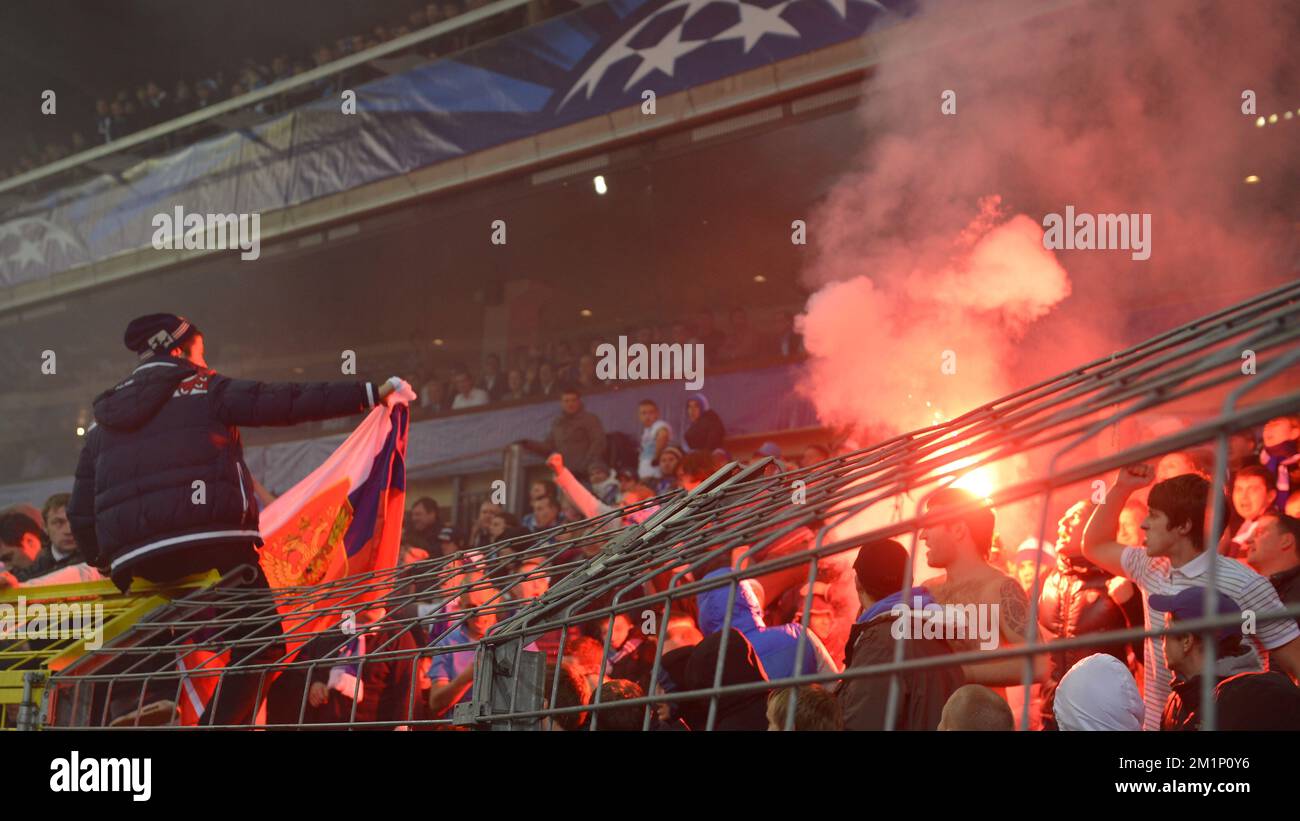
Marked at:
<point>162,469</point>
<point>1183,709</point>
<point>1075,602</point>
<point>707,432</point>
<point>741,665</point>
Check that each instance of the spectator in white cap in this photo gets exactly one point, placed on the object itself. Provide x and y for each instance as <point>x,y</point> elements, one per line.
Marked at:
<point>1027,558</point>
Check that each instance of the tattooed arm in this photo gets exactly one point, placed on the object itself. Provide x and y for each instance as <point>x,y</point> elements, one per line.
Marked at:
<point>1014,622</point>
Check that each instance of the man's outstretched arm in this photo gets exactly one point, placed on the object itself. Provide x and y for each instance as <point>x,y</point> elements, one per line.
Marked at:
<point>1099,545</point>
<point>268,404</point>
<point>580,496</point>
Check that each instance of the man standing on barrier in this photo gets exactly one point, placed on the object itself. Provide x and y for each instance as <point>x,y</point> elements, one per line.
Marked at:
<point>162,491</point>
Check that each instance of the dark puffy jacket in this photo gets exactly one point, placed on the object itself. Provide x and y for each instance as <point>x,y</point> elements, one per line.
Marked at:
<point>707,432</point>
<point>167,427</point>
<point>1075,602</point>
<point>740,665</point>
<point>1183,709</point>
<point>921,694</point>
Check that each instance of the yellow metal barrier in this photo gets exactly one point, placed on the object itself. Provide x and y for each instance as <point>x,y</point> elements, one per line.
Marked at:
<point>44,629</point>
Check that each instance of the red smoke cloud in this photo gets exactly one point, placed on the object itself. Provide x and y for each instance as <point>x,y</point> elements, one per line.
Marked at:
<point>889,351</point>
<point>935,244</point>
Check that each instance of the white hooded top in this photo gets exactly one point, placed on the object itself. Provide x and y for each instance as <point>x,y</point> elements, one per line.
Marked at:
<point>1098,693</point>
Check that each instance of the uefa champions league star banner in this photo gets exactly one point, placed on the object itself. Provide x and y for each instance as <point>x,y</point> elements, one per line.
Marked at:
<point>343,519</point>
<point>582,65</point>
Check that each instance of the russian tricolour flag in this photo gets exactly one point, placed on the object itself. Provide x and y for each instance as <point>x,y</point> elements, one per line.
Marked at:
<point>345,518</point>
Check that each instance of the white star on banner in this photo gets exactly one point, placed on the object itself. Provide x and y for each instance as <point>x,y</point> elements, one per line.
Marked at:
<point>35,236</point>
<point>663,56</point>
<point>756,22</point>
<point>620,48</point>
<point>28,251</point>
<point>842,6</point>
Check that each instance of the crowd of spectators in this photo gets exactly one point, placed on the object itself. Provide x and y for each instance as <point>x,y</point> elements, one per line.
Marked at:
<point>529,372</point>
<point>1133,560</point>
<point>123,111</point>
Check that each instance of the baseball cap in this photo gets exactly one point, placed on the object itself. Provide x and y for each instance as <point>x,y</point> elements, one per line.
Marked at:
<point>1189,603</point>
<point>769,449</point>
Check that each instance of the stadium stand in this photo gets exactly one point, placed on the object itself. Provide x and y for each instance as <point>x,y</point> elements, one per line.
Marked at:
<point>746,534</point>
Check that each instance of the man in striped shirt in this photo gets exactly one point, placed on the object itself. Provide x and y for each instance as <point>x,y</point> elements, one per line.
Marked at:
<point>1175,559</point>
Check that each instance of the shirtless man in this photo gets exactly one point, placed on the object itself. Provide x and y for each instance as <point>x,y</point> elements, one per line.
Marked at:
<point>961,548</point>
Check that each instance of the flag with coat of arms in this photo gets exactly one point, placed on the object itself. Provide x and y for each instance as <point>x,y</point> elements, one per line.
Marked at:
<point>343,519</point>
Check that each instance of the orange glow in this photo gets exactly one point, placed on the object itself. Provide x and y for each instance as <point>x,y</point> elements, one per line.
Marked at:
<point>979,481</point>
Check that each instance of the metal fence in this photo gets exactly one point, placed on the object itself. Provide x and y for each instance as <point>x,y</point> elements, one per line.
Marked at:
<point>58,623</point>
<point>520,604</point>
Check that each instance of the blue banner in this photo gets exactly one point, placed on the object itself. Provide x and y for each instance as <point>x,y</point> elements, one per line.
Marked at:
<point>572,68</point>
